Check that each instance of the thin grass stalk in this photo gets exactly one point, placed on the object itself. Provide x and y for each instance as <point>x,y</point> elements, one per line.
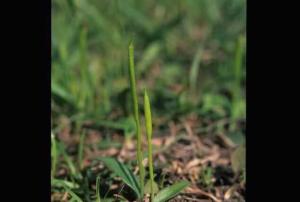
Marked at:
<point>237,75</point>
<point>149,137</point>
<point>136,116</point>
<point>54,155</point>
<point>98,199</point>
<point>236,85</point>
<point>80,150</point>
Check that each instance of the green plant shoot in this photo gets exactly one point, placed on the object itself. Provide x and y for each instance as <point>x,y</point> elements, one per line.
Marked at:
<point>81,151</point>
<point>98,189</point>
<point>136,115</point>
<point>238,76</point>
<point>171,191</point>
<point>53,154</point>
<point>149,137</point>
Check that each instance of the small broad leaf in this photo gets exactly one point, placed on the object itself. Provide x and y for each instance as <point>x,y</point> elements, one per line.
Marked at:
<point>237,138</point>
<point>170,192</point>
<point>147,189</point>
<point>238,158</point>
<point>122,171</point>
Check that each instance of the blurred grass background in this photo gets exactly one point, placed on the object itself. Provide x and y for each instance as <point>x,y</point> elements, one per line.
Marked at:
<point>189,54</point>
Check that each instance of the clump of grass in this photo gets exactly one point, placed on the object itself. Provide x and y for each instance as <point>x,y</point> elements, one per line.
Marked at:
<point>136,115</point>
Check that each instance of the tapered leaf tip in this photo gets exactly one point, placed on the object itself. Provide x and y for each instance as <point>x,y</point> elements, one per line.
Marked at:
<point>131,46</point>
<point>146,100</point>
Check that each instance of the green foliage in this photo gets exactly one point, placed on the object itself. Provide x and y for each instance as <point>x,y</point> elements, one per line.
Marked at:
<point>89,42</point>
<point>53,155</point>
<point>182,47</point>
<point>136,114</point>
<point>206,176</point>
<point>98,189</point>
<point>238,159</point>
<point>122,171</point>
<point>148,186</point>
<point>238,105</point>
<point>149,138</point>
<point>67,186</point>
<point>171,191</point>
<point>62,183</point>
<point>195,70</point>
<point>80,150</point>
<point>161,181</point>
<point>72,168</point>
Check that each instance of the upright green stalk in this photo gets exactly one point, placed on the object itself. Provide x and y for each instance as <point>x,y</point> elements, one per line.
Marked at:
<point>238,75</point>
<point>136,115</point>
<point>53,155</point>
<point>149,137</point>
<point>238,66</point>
<point>98,199</point>
<point>80,150</point>
<point>195,69</point>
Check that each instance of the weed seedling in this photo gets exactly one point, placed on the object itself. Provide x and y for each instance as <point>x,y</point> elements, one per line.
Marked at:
<point>123,171</point>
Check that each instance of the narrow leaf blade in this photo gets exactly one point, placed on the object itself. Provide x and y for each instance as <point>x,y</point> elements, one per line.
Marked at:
<point>98,199</point>
<point>122,171</point>
<point>170,192</point>
<point>148,115</point>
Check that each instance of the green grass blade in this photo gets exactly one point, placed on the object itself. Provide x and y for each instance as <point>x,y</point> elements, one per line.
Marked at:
<point>148,118</point>
<point>238,77</point>
<point>238,158</point>
<point>118,125</point>
<point>53,155</point>
<point>87,87</point>
<point>149,137</point>
<point>62,183</point>
<point>67,186</point>
<point>147,189</point>
<point>136,115</point>
<point>238,59</point>
<point>62,93</point>
<point>122,171</point>
<point>69,161</point>
<point>151,53</point>
<point>195,69</point>
<point>98,189</point>
<point>170,192</point>
<point>74,196</point>
<point>80,151</point>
